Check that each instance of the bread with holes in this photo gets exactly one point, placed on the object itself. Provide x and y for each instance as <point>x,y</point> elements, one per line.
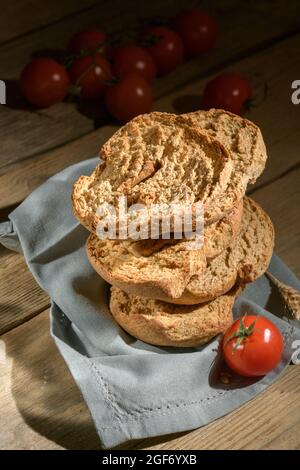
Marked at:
<point>205,156</point>
<point>246,259</point>
<point>157,158</point>
<point>244,140</point>
<point>159,268</point>
<point>164,324</point>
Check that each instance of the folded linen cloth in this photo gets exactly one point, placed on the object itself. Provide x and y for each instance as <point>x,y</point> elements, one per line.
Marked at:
<point>133,390</point>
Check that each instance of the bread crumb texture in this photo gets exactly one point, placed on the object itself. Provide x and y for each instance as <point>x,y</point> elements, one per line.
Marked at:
<point>164,324</point>
<point>206,157</point>
<point>246,258</point>
<point>159,268</point>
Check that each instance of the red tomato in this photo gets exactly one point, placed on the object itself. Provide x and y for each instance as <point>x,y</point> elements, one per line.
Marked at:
<point>44,82</point>
<point>252,346</point>
<point>90,40</point>
<point>198,31</point>
<point>165,46</point>
<point>91,73</point>
<point>131,96</point>
<point>227,91</point>
<point>130,59</point>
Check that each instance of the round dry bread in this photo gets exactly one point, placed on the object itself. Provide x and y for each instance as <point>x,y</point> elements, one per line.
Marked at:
<point>239,135</point>
<point>206,156</point>
<point>157,158</point>
<point>246,259</point>
<point>159,268</point>
<point>244,141</point>
<point>163,324</point>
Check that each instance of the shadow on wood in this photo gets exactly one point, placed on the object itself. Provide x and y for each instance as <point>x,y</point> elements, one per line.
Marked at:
<point>96,111</point>
<point>59,55</point>
<point>14,99</point>
<point>54,407</point>
<point>187,103</point>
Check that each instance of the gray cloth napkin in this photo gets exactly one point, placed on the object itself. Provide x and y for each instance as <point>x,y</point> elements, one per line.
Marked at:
<point>132,389</point>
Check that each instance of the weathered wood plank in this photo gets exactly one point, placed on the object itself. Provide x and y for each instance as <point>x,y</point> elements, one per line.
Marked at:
<point>281,200</point>
<point>38,132</point>
<point>276,66</point>
<point>20,296</point>
<point>25,177</point>
<point>21,17</point>
<point>31,132</point>
<point>52,414</point>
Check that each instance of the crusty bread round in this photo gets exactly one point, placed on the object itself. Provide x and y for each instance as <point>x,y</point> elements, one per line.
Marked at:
<point>163,324</point>
<point>218,237</point>
<point>159,268</point>
<point>165,272</point>
<point>157,158</point>
<point>246,259</point>
<point>205,156</point>
<point>244,141</point>
<point>239,135</point>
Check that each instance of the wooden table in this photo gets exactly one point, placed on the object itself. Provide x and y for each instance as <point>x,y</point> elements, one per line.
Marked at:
<point>41,407</point>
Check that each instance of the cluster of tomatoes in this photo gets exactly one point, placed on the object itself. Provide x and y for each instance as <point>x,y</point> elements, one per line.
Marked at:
<point>122,76</point>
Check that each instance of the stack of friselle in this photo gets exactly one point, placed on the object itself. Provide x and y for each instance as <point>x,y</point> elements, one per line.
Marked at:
<point>164,292</point>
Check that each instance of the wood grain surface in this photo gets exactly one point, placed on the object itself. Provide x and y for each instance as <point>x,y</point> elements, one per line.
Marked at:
<point>23,16</point>
<point>281,200</point>
<point>29,174</point>
<point>41,405</point>
<point>20,296</point>
<point>44,130</point>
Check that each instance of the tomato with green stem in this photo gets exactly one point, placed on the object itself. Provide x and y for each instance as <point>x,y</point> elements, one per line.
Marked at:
<point>252,346</point>
<point>90,75</point>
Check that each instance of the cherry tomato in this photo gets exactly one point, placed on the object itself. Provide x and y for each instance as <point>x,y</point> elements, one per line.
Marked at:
<point>88,41</point>
<point>91,73</point>
<point>130,59</point>
<point>44,82</point>
<point>252,346</point>
<point>198,31</point>
<point>165,46</point>
<point>131,96</point>
<point>227,91</point>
